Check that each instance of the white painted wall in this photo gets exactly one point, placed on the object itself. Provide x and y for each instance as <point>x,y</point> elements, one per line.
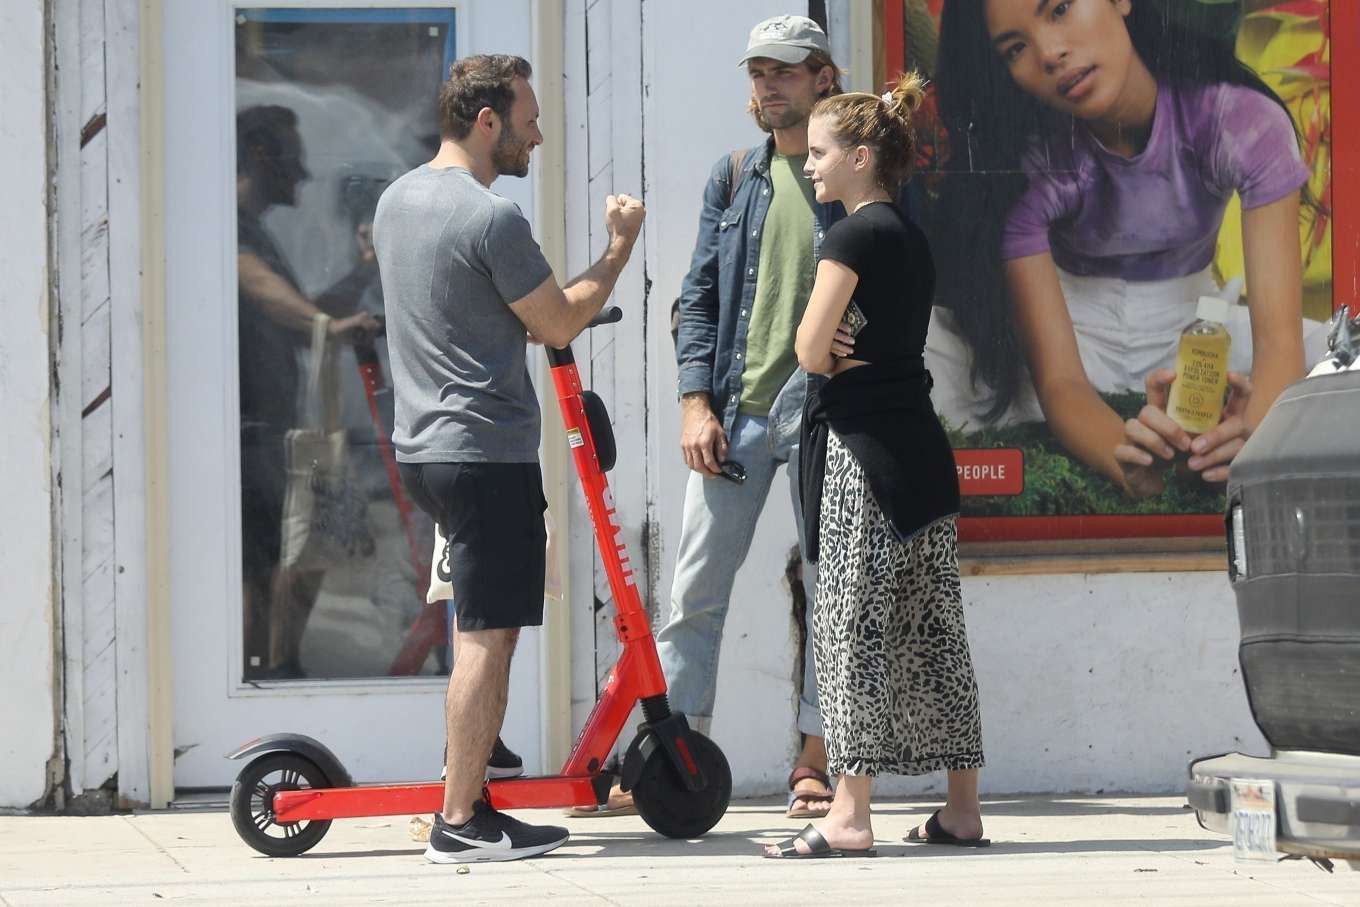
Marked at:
<point>28,706</point>
<point>89,628</point>
<point>1108,682</point>
<point>1088,682</point>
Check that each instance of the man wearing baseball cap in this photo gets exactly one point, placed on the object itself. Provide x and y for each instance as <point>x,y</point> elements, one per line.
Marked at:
<point>740,386</point>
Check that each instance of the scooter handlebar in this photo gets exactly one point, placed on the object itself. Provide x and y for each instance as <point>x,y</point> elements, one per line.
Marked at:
<point>610,315</point>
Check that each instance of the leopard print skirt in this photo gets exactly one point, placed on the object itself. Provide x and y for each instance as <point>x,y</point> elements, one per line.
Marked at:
<point>894,673</point>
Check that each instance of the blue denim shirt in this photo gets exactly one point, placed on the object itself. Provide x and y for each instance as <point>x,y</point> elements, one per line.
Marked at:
<point>718,292</point>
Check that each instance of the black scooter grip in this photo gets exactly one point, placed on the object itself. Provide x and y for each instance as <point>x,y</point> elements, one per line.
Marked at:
<point>610,315</point>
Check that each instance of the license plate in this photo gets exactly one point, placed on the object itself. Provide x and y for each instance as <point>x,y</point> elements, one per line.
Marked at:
<point>1253,820</point>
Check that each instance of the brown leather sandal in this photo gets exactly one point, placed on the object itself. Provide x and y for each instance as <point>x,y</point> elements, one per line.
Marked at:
<point>618,804</point>
<point>801,773</point>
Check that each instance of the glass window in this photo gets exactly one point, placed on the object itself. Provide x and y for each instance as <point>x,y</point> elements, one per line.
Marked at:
<point>331,106</point>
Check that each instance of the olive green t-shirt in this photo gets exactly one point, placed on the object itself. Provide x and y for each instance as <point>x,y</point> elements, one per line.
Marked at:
<point>783,284</point>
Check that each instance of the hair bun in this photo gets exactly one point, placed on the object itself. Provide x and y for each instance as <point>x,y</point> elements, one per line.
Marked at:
<point>909,93</point>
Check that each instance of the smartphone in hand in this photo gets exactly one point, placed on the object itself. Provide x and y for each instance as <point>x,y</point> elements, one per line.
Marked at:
<point>854,319</point>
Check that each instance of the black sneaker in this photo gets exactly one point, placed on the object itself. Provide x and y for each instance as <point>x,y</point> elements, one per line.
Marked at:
<point>490,837</point>
<point>502,764</point>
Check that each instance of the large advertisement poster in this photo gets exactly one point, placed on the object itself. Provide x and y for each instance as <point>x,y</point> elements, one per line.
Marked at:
<point>1092,170</point>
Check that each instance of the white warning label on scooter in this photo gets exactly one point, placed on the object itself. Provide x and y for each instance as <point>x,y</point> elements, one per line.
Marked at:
<point>574,438</point>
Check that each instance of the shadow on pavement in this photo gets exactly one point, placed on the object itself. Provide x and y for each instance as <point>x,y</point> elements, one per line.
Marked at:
<point>750,842</point>
<point>322,854</point>
<point>1058,806</point>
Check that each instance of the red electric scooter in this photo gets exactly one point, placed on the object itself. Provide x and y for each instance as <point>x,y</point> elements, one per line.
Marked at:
<point>283,801</point>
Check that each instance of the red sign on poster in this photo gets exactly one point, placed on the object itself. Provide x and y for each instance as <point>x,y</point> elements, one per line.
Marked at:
<point>996,471</point>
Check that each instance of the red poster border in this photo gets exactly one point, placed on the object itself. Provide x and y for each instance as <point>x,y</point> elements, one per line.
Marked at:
<point>1345,151</point>
<point>1345,148</point>
<point>894,39</point>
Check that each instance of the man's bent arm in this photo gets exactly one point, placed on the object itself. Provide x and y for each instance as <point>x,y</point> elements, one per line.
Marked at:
<point>272,294</point>
<point>342,297</point>
<point>556,315</point>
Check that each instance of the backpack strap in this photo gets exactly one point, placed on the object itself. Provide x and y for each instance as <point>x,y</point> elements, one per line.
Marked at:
<point>735,173</point>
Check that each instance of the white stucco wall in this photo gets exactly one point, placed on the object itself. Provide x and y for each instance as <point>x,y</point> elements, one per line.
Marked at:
<point>27,711</point>
<point>1088,682</point>
<point>1103,682</point>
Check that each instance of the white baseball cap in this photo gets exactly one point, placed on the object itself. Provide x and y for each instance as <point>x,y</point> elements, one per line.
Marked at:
<point>788,39</point>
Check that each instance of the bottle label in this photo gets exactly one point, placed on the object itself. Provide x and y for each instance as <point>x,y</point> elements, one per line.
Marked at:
<point>1197,396</point>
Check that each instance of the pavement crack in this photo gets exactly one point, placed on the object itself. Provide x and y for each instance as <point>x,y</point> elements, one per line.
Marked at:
<point>168,855</point>
<point>1268,883</point>
<point>561,878</point>
<point>1238,870</point>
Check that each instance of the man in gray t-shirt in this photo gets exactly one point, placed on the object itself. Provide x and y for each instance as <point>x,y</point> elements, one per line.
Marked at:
<point>457,255</point>
<point>465,286</point>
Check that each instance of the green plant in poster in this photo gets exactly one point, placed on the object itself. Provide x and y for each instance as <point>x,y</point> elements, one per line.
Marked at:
<point>1058,485</point>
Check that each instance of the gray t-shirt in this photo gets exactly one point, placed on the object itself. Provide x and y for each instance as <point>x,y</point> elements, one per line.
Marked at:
<point>453,255</point>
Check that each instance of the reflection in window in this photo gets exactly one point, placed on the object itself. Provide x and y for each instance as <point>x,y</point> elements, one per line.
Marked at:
<point>331,105</point>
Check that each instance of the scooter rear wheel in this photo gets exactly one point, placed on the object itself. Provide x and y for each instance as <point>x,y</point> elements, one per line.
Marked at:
<point>668,806</point>
<point>252,804</point>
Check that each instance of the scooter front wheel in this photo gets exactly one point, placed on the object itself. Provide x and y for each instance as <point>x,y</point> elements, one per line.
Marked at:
<point>252,804</point>
<point>668,806</point>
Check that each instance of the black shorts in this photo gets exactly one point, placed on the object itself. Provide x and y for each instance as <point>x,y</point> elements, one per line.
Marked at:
<point>492,518</point>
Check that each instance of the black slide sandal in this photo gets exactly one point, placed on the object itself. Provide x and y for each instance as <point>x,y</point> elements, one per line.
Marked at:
<point>935,834</point>
<point>818,848</point>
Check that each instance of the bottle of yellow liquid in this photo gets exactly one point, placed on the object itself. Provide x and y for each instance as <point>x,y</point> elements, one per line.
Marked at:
<point>1196,402</point>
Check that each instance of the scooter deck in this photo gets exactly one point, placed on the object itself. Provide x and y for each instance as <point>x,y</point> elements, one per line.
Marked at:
<point>427,797</point>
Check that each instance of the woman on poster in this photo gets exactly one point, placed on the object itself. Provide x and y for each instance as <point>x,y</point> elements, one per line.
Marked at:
<point>1102,145</point>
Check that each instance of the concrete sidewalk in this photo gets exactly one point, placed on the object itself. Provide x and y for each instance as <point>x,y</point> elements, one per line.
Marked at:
<point>1075,850</point>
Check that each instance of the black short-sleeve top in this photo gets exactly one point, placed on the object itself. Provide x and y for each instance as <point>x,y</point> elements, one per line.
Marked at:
<point>891,256</point>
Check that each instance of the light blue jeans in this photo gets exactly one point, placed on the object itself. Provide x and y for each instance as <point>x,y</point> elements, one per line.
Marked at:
<point>719,522</point>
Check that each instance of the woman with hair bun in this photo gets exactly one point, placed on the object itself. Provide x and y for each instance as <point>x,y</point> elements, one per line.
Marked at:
<point>880,494</point>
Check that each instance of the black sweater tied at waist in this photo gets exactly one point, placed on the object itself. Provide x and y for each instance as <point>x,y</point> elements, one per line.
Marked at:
<point>882,413</point>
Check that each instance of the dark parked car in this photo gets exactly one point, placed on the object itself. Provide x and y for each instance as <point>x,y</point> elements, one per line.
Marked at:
<point>1294,561</point>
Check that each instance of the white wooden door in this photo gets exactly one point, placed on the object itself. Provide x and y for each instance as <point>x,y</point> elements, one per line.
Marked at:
<point>290,191</point>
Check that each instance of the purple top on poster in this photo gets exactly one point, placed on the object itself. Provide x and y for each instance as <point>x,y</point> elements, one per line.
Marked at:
<point>1156,215</point>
